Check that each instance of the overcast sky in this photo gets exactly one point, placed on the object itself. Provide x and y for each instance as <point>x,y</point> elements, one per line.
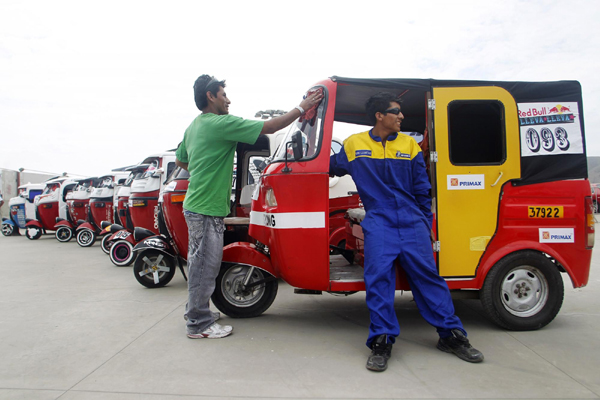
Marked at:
<point>90,86</point>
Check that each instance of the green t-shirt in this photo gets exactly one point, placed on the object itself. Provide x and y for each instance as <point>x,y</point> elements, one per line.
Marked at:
<point>208,147</point>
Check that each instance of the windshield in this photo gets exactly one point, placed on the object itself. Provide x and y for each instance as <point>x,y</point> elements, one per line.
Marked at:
<point>311,137</point>
<point>51,188</point>
<point>179,174</point>
<point>106,182</point>
<point>150,170</point>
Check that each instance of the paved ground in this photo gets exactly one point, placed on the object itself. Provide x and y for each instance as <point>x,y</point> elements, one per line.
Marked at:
<point>73,326</point>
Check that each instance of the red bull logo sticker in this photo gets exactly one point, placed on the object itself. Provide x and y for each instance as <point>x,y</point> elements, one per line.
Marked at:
<point>557,235</point>
<point>466,182</point>
<point>550,128</point>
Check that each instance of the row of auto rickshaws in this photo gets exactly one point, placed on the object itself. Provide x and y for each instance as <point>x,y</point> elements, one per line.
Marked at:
<point>512,204</point>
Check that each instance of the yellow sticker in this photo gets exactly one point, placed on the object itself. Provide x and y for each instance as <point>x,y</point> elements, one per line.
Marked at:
<point>545,212</point>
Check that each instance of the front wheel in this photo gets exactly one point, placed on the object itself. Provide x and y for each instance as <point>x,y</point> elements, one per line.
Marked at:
<point>64,234</point>
<point>523,291</point>
<point>33,233</point>
<point>105,245</point>
<point>8,229</point>
<point>153,269</point>
<point>86,237</point>
<point>121,253</point>
<point>239,301</point>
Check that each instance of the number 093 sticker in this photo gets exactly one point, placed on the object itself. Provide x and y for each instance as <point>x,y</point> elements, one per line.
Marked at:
<point>545,212</point>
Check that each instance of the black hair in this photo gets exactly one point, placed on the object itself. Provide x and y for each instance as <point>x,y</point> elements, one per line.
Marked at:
<point>206,83</point>
<point>379,102</point>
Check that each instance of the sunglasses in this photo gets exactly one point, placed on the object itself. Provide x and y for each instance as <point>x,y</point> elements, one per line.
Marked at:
<point>394,111</point>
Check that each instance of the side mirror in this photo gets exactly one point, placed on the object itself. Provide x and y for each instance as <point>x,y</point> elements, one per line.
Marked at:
<point>297,145</point>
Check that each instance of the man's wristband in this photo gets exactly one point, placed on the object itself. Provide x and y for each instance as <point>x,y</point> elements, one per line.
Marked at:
<point>300,109</point>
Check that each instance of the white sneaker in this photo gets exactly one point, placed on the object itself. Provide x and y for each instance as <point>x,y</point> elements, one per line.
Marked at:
<point>215,331</point>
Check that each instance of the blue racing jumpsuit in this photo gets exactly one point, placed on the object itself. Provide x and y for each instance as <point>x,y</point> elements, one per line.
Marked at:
<point>394,187</point>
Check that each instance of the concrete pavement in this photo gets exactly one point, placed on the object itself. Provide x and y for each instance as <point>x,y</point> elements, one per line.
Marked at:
<point>73,326</point>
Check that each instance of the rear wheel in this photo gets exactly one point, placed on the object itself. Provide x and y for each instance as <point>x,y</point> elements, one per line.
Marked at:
<point>64,234</point>
<point>105,245</point>
<point>8,229</point>
<point>239,301</point>
<point>33,233</point>
<point>154,269</point>
<point>86,237</point>
<point>523,291</point>
<point>121,253</point>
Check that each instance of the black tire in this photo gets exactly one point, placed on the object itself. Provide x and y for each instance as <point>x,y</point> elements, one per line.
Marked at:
<point>104,245</point>
<point>230,299</point>
<point>121,253</point>
<point>33,233</point>
<point>154,269</point>
<point>64,234</point>
<point>524,291</point>
<point>8,229</point>
<point>86,237</point>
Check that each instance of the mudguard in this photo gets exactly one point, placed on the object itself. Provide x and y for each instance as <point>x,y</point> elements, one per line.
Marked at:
<point>122,235</point>
<point>158,243</point>
<point>63,223</point>
<point>337,236</point>
<point>85,225</point>
<point>247,254</point>
<point>35,223</point>
<point>8,222</point>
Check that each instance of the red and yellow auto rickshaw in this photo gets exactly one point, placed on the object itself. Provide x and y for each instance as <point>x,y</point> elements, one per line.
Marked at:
<point>511,199</point>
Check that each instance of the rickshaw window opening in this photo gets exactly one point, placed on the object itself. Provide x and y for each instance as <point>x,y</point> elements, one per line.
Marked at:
<point>312,134</point>
<point>476,132</point>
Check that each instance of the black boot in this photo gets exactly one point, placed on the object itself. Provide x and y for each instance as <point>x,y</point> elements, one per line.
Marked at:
<point>459,345</point>
<point>381,351</point>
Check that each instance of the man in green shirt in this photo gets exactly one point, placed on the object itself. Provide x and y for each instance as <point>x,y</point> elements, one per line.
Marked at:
<point>207,152</point>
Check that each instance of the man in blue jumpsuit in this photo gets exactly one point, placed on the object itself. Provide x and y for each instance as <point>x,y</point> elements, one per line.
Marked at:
<point>391,178</point>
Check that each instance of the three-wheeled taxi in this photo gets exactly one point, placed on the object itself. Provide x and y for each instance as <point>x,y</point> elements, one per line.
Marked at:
<point>21,208</point>
<point>511,199</point>
<point>51,207</point>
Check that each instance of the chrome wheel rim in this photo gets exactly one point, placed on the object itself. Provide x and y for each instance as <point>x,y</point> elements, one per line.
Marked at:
<point>524,291</point>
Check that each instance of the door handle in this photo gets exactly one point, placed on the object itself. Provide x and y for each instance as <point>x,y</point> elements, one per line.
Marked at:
<point>498,180</point>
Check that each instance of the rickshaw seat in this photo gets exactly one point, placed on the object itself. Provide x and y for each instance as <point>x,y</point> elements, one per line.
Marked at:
<point>116,228</point>
<point>356,215</point>
<point>140,234</point>
<point>236,221</point>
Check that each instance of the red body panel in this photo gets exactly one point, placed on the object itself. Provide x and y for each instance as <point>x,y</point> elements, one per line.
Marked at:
<point>78,209</point>
<point>143,216</point>
<point>101,210</point>
<point>48,213</point>
<point>174,219</point>
<point>516,231</point>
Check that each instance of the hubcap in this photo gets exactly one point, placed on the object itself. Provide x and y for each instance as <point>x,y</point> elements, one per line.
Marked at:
<point>64,233</point>
<point>85,237</point>
<point>155,266</point>
<point>7,229</point>
<point>232,286</point>
<point>122,252</point>
<point>524,291</point>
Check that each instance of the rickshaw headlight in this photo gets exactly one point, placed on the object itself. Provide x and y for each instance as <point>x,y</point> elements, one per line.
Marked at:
<point>270,199</point>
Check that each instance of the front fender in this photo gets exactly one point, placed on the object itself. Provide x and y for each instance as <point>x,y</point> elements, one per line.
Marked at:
<point>247,254</point>
<point>63,223</point>
<point>6,221</point>
<point>85,225</point>
<point>35,223</point>
<point>155,243</point>
<point>123,234</point>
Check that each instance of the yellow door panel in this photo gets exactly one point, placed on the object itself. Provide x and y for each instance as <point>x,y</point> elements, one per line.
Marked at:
<point>468,195</point>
